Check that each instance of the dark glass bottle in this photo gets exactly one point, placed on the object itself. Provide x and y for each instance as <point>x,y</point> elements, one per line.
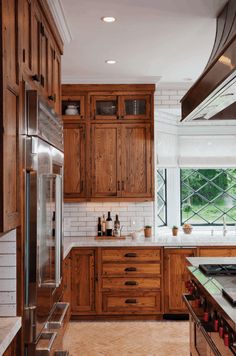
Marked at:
<point>109,224</point>
<point>99,227</point>
<point>117,227</point>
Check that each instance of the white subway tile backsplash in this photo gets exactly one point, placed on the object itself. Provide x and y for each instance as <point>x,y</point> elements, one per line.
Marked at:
<point>8,274</point>
<point>85,216</point>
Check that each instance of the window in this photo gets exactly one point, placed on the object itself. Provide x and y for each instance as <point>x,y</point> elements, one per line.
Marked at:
<point>208,196</point>
<point>161,197</point>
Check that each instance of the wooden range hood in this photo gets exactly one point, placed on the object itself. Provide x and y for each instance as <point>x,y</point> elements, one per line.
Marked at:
<point>213,95</point>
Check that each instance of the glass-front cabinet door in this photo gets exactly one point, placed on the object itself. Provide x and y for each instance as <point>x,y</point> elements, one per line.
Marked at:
<point>135,106</point>
<point>104,107</point>
<point>73,108</point>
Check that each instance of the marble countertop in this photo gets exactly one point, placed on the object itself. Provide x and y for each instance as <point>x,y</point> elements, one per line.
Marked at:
<point>197,238</point>
<point>9,327</point>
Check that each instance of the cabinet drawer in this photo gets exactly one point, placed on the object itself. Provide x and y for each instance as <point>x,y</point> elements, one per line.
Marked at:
<point>131,283</point>
<point>130,269</point>
<point>130,255</point>
<point>130,303</point>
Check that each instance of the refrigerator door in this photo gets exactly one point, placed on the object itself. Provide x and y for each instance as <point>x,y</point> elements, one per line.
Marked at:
<point>43,233</point>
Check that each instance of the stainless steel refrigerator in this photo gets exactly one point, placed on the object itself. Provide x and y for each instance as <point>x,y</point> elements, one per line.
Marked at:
<point>43,142</point>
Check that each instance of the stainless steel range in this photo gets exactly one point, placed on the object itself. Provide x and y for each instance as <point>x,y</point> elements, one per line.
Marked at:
<point>211,303</point>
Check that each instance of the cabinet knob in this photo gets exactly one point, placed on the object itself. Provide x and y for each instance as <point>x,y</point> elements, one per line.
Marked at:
<point>131,301</point>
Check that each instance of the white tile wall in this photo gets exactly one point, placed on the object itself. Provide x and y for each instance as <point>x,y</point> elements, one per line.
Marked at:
<point>81,219</point>
<point>8,274</point>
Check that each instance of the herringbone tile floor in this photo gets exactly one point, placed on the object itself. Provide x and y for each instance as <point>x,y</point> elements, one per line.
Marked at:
<point>142,338</point>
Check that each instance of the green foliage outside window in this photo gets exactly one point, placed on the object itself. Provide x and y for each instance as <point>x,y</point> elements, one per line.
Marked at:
<point>208,195</point>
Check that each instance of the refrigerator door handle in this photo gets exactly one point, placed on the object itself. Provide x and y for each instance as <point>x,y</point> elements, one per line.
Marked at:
<point>55,282</point>
<point>58,230</point>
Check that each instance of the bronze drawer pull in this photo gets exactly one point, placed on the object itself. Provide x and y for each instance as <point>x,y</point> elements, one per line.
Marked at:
<point>131,301</point>
<point>131,254</point>
<point>131,283</point>
<point>130,269</point>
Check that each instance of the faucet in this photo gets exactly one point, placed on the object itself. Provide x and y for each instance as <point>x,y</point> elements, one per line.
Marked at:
<point>224,227</point>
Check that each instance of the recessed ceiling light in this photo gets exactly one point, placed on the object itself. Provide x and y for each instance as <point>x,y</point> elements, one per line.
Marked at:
<point>110,61</point>
<point>108,19</point>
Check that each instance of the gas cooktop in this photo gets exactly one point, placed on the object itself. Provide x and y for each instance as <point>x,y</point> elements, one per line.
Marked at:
<point>218,270</point>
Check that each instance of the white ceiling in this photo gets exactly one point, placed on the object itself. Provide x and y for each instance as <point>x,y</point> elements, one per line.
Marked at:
<point>152,40</point>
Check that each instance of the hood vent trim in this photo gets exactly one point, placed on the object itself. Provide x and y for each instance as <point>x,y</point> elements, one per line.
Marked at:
<point>215,90</point>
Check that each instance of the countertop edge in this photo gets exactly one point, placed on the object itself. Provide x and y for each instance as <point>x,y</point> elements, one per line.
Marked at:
<point>10,334</point>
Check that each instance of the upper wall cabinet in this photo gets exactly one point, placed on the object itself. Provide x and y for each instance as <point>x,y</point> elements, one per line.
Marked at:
<point>27,32</point>
<point>119,140</point>
<point>41,53</point>
<point>120,107</point>
<point>9,118</point>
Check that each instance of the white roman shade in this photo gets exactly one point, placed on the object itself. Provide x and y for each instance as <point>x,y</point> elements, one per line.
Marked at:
<point>207,151</point>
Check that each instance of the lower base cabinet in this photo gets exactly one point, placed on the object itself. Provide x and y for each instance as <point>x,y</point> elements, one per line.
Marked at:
<point>11,350</point>
<point>175,277</point>
<point>142,282</point>
<point>83,281</point>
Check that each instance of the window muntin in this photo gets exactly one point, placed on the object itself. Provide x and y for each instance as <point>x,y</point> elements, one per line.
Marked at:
<point>208,195</point>
<point>161,215</point>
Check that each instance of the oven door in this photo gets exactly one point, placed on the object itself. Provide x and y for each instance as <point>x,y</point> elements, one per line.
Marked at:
<point>201,343</point>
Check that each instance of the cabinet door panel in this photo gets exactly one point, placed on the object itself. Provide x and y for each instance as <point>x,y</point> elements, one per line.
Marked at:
<point>175,276</point>
<point>217,252</point>
<point>83,287</point>
<point>10,185</point>
<point>136,161</point>
<point>74,161</point>
<point>105,160</point>
<point>135,107</point>
<point>44,60</point>
<point>36,38</point>
<point>27,34</point>
<point>57,82</point>
<point>104,107</point>
<point>10,41</point>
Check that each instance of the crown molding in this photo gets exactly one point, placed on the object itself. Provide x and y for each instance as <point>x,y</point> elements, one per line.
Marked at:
<point>109,80</point>
<point>58,13</point>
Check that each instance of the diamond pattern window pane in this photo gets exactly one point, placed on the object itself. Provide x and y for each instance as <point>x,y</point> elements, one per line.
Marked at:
<point>208,195</point>
<point>161,197</point>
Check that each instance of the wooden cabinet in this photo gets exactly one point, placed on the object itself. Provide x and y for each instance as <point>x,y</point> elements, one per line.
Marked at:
<point>74,161</point>
<point>104,107</point>
<point>83,281</point>
<point>12,348</point>
<point>175,276</point>
<point>67,279</point>
<point>130,281</point>
<point>121,160</point>
<point>136,161</point>
<point>119,145</point>
<point>217,251</point>
<point>10,119</point>
<point>105,160</point>
<point>136,107</point>
<point>41,54</point>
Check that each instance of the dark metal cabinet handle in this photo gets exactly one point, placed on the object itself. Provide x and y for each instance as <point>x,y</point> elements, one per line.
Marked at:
<point>131,254</point>
<point>51,97</point>
<point>42,80</point>
<point>130,269</point>
<point>131,301</point>
<point>131,283</point>
<point>35,78</point>
<point>118,185</point>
